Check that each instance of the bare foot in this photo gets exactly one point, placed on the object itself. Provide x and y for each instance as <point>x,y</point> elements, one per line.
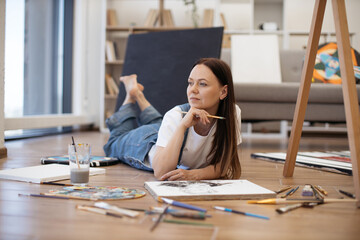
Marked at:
<point>134,92</point>
<point>132,87</point>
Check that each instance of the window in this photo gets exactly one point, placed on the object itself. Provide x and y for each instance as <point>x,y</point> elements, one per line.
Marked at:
<point>38,65</point>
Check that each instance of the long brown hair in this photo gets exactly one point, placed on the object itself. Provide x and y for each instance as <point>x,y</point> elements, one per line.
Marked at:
<point>224,146</point>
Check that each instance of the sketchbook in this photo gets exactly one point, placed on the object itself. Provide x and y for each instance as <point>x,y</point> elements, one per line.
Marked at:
<point>42,173</point>
<point>208,190</point>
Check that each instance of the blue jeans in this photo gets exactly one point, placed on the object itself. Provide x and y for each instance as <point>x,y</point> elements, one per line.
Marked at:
<point>132,135</point>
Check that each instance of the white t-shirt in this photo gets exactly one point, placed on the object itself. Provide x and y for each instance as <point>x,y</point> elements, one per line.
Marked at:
<point>197,147</point>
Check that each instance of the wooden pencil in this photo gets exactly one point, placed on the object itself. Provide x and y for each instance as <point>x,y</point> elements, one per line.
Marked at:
<point>210,116</point>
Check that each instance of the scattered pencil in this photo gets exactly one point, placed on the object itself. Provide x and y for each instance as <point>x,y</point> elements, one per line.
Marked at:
<point>159,219</point>
<point>322,190</point>
<point>287,193</point>
<point>41,195</point>
<point>294,190</point>
<point>289,201</point>
<point>283,189</point>
<point>59,184</point>
<point>182,205</point>
<point>243,213</point>
<point>347,194</point>
<point>98,210</point>
<point>317,193</point>
<point>187,222</point>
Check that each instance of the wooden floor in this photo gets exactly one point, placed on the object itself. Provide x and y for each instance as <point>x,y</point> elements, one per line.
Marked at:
<point>40,218</point>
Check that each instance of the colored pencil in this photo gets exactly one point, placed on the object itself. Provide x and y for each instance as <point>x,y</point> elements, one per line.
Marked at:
<point>239,212</point>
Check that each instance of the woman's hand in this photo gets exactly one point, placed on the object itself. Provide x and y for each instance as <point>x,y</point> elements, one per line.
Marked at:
<point>194,116</point>
<point>179,174</point>
<point>205,173</point>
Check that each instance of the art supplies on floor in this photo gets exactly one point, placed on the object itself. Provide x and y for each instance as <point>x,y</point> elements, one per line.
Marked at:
<point>338,162</point>
<point>208,190</point>
<point>95,161</point>
<point>98,193</point>
<point>43,173</point>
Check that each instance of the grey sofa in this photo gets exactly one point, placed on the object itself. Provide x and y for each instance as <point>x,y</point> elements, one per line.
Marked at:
<point>272,102</point>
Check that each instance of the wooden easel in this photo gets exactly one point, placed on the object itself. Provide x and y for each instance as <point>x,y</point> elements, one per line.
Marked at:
<point>348,87</point>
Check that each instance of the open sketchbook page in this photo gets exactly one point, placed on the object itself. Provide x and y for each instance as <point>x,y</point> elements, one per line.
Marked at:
<point>42,173</point>
<point>208,190</point>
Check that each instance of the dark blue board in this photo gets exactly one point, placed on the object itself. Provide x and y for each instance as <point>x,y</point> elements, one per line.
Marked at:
<point>163,61</point>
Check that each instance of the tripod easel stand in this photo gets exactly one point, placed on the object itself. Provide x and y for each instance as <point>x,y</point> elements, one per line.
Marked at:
<point>348,87</point>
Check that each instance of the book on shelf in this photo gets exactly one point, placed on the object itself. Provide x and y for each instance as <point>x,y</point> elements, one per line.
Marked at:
<point>110,53</point>
<point>111,87</point>
<point>168,18</point>
<point>208,18</point>
<point>151,18</point>
<point>111,18</point>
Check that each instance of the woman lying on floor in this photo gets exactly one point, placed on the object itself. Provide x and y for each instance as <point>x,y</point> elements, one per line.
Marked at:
<point>181,146</point>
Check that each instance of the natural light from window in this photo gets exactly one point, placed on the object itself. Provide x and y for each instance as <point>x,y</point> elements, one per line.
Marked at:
<point>14,58</point>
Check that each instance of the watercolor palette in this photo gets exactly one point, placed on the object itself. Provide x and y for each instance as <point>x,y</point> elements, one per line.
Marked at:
<point>98,193</point>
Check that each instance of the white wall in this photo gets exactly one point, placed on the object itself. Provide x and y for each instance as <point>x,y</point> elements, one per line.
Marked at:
<point>88,56</point>
<point>298,15</point>
<point>2,70</point>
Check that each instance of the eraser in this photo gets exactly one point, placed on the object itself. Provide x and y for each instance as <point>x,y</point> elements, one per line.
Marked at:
<point>307,191</point>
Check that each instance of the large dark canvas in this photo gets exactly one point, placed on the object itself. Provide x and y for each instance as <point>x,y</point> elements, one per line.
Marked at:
<point>163,61</point>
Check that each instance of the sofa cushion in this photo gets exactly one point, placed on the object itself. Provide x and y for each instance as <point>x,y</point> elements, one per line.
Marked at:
<point>287,93</point>
<point>291,63</point>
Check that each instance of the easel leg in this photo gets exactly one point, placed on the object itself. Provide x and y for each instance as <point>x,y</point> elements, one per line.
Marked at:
<point>303,94</point>
<point>349,90</point>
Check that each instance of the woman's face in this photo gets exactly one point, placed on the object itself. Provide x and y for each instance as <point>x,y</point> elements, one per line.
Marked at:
<point>204,91</point>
